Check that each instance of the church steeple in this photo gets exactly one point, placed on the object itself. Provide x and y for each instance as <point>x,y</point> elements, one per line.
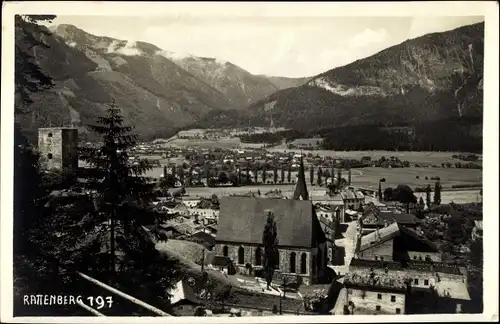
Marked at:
<point>301,188</point>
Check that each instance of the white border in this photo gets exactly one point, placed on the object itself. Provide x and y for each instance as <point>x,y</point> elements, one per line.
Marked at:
<point>488,9</point>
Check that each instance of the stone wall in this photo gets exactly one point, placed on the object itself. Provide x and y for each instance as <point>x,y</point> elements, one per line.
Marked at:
<point>58,148</point>
<point>384,250</point>
<point>284,259</point>
<point>377,301</point>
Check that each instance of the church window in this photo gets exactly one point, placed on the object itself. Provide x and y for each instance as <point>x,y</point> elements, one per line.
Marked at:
<point>303,263</point>
<point>241,255</point>
<point>292,262</point>
<point>258,256</point>
<point>49,156</point>
<point>225,251</point>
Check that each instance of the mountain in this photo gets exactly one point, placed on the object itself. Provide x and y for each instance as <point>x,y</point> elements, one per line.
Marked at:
<point>240,86</point>
<point>284,83</point>
<point>156,95</point>
<point>424,80</point>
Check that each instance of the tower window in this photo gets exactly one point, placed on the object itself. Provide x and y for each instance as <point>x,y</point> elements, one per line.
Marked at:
<point>49,156</point>
<point>50,135</point>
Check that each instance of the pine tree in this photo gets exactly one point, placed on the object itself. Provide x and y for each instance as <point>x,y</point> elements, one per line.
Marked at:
<point>190,176</point>
<point>349,177</point>
<point>270,242</point>
<point>339,178</point>
<point>282,174</point>
<point>289,175</point>
<point>320,174</point>
<point>255,175</point>
<point>119,188</point>
<point>181,175</point>
<point>311,175</point>
<point>275,174</point>
<point>380,197</point>
<point>264,173</point>
<point>428,196</point>
<point>437,193</point>
<point>239,176</point>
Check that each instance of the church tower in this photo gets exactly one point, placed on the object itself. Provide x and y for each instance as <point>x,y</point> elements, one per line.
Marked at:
<point>300,192</point>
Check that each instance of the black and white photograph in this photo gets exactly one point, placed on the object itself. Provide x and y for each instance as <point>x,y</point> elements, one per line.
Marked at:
<point>244,159</point>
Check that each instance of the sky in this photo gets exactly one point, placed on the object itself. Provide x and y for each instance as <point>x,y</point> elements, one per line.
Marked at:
<point>276,46</point>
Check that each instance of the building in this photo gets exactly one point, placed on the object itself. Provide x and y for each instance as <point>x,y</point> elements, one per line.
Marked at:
<point>374,217</point>
<point>302,242</point>
<point>431,287</point>
<point>364,295</point>
<point>395,242</point>
<point>58,147</point>
<point>184,300</point>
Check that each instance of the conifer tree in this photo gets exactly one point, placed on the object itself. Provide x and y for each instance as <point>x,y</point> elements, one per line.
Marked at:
<point>247,171</point>
<point>289,175</point>
<point>282,174</point>
<point>275,174</point>
<point>264,173</point>
<point>428,196</point>
<point>320,174</point>
<point>311,174</point>
<point>121,192</point>
<point>437,193</point>
<point>255,175</point>
<point>270,242</point>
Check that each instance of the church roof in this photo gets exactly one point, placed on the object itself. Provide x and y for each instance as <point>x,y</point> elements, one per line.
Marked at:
<point>242,220</point>
<point>301,187</point>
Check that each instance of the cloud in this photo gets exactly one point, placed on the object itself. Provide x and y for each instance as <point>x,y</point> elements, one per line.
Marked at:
<point>368,37</point>
<point>423,25</point>
<point>129,49</point>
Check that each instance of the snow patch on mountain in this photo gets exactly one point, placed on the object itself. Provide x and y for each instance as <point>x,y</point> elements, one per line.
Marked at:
<point>71,44</point>
<point>174,55</point>
<point>343,90</point>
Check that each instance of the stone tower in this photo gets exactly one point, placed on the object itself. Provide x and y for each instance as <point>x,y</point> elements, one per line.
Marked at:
<point>58,147</point>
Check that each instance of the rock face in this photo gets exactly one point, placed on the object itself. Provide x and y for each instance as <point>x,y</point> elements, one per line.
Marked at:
<point>434,77</point>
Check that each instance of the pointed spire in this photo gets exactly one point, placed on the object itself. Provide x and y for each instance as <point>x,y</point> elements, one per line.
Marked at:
<point>300,187</point>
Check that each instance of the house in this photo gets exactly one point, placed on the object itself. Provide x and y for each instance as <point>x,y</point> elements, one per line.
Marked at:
<point>374,217</point>
<point>184,300</point>
<point>395,242</point>
<point>365,296</point>
<point>430,287</point>
<point>352,199</point>
<point>302,242</point>
<point>477,230</point>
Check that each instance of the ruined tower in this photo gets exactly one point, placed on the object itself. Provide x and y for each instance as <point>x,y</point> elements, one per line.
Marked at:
<point>58,147</point>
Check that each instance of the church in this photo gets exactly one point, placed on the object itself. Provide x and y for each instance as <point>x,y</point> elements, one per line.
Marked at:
<point>302,242</point>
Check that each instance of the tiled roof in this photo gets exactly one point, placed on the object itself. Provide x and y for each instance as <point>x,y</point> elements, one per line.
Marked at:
<point>242,220</point>
<point>379,236</point>
<point>401,218</point>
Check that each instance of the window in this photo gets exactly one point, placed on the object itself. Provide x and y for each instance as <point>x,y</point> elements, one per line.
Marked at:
<point>379,296</point>
<point>426,282</point>
<point>49,156</point>
<point>398,310</point>
<point>292,262</point>
<point>241,255</point>
<point>258,256</point>
<point>303,263</point>
<point>225,251</point>
<point>415,281</point>
<point>414,257</point>
<point>377,308</point>
<point>376,257</point>
<point>393,299</point>
<point>50,135</point>
<point>420,258</point>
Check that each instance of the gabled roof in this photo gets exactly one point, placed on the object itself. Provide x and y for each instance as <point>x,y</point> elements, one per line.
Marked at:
<point>242,220</point>
<point>379,236</point>
<point>301,187</point>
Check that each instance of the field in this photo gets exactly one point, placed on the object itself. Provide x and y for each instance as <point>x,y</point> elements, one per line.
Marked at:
<point>412,157</point>
<point>225,143</point>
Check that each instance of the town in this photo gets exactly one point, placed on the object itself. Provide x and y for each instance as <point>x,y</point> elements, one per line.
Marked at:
<point>341,248</point>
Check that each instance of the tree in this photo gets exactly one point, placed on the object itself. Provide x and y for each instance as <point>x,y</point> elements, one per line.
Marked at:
<point>388,194</point>
<point>181,175</point>
<point>270,242</point>
<point>247,174</point>
<point>311,174</point>
<point>223,178</point>
<point>404,194</point>
<point>349,177</point>
<point>275,174</point>
<point>256,175</point>
<point>239,176</point>
<point>380,197</point>
<point>120,190</point>
<point>282,174</point>
<point>437,193</point>
<point>339,178</point>
<point>264,173</point>
<point>428,196</point>
<point>289,175</point>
